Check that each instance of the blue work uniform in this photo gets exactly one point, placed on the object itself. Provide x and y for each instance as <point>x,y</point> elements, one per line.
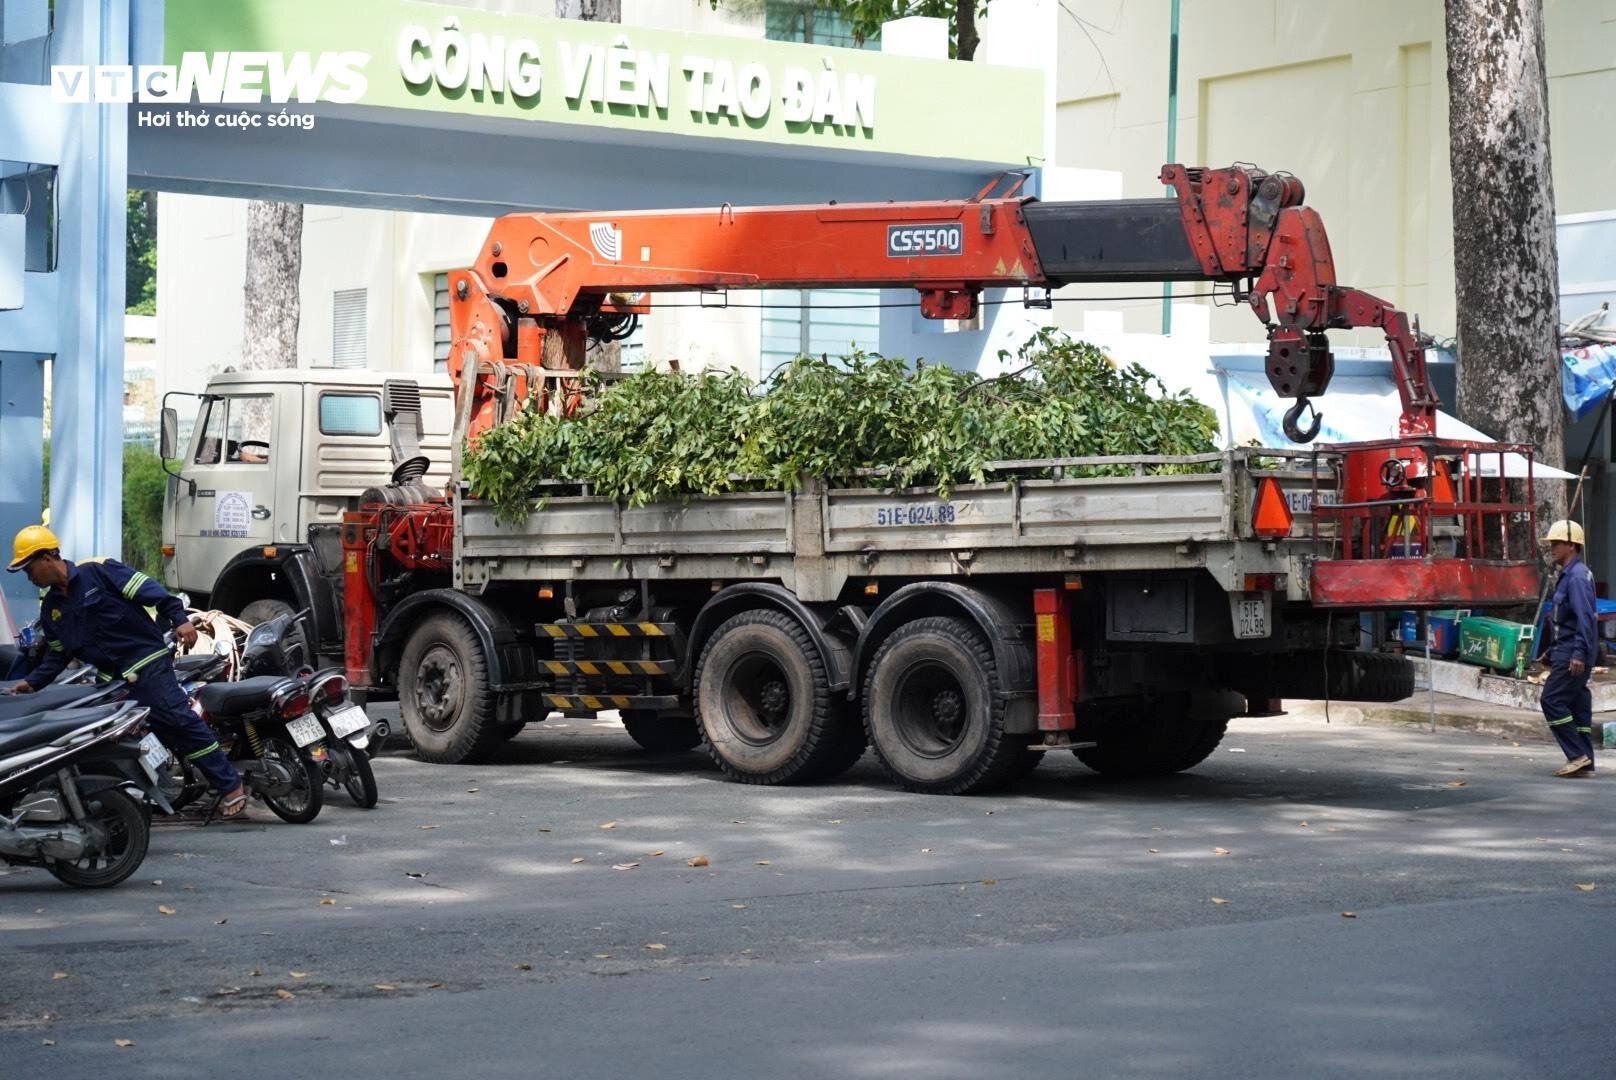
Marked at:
<point>1573,621</point>
<point>100,619</point>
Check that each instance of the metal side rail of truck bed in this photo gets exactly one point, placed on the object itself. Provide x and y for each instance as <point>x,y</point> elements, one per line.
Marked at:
<point>1066,515</point>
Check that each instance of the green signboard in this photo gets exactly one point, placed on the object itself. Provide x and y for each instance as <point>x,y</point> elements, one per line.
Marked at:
<point>454,60</point>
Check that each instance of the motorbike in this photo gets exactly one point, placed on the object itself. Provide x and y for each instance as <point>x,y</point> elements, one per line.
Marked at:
<point>75,779</point>
<point>270,650</point>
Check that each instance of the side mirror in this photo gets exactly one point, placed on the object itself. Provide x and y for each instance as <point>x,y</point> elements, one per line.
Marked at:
<point>169,435</point>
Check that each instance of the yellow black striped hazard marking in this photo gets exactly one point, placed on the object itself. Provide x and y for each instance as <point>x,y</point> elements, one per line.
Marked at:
<point>609,667</point>
<point>589,701</point>
<point>608,629</point>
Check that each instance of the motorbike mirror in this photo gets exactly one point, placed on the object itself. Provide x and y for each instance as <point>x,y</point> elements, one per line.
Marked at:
<point>168,435</point>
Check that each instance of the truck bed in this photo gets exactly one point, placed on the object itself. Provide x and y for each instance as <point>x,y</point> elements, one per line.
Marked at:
<point>1034,517</point>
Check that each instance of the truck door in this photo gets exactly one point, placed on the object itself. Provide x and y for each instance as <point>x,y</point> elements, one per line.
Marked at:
<point>233,464</point>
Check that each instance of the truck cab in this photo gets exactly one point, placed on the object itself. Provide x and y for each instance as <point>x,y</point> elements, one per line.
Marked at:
<point>256,494</point>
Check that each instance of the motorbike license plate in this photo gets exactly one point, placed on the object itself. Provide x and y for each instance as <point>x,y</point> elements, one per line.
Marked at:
<point>345,722</point>
<point>152,753</point>
<point>305,730</point>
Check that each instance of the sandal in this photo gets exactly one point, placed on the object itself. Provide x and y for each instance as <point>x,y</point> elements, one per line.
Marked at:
<point>233,808</point>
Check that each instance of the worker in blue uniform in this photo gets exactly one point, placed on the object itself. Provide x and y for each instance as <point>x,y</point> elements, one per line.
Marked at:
<point>1573,623</point>
<point>96,612</point>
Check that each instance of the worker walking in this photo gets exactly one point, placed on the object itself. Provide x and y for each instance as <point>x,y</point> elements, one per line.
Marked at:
<point>95,612</point>
<point>1567,704</point>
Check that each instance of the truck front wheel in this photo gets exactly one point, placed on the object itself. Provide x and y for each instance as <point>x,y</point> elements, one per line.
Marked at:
<point>934,714</point>
<point>1172,734</point>
<point>443,693</point>
<point>768,714</point>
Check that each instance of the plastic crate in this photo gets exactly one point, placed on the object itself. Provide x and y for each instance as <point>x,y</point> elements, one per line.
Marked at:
<point>1495,643</point>
<point>1443,629</point>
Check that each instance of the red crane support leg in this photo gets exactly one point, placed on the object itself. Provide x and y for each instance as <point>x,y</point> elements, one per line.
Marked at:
<point>1058,679</point>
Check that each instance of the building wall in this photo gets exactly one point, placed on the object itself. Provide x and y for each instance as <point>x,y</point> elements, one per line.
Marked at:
<point>1350,97</point>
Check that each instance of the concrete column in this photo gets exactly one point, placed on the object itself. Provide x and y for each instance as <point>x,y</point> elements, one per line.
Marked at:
<point>86,496</point>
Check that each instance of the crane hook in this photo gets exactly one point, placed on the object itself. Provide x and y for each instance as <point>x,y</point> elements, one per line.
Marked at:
<point>1297,434</point>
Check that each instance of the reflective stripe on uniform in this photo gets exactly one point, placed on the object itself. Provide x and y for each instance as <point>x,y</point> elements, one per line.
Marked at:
<point>136,580</point>
<point>206,750</point>
<point>138,664</point>
<point>1585,730</point>
<point>1562,720</point>
<point>55,646</point>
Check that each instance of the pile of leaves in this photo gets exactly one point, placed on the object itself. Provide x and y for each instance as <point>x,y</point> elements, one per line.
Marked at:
<point>660,435</point>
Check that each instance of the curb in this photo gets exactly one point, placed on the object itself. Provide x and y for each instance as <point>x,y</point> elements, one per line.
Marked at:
<point>1452,714</point>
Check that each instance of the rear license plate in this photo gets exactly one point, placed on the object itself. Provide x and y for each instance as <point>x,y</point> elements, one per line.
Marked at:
<point>152,753</point>
<point>345,722</point>
<point>305,730</point>
<point>1251,619</point>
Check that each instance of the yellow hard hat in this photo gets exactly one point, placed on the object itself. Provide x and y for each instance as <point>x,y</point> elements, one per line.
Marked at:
<point>1569,531</point>
<point>30,542</point>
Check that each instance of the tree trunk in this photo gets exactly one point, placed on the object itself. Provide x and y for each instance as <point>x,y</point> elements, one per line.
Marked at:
<point>271,307</point>
<point>604,355</point>
<point>1505,266</point>
<point>966,39</point>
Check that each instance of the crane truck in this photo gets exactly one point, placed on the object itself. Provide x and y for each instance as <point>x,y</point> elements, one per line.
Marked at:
<point>1126,617</point>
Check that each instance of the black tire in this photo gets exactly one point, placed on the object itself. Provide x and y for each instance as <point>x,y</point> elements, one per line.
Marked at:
<point>661,734</point>
<point>443,695</point>
<point>1383,677</point>
<point>360,781</point>
<point>260,611</point>
<point>1175,733</point>
<point>128,835</point>
<point>933,712</point>
<point>302,805</point>
<point>763,698</point>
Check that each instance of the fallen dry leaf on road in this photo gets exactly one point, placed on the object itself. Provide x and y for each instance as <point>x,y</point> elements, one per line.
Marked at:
<point>59,975</point>
<point>384,987</point>
<point>1153,851</point>
<point>47,1042</point>
<point>1349,914</point>
<point>925,851</point>
<point>1589,887</point>
<point>327,902</point>
<point>990,881</point>
<point>220,922</point>
<point>227,991</point>
<point>255,973</point>
<point>738,907</point>
<point>763,862</point>
<point>414,874</point>
<point>523,967</point>
<point>428,826</point>
<point>164,909</point>
<point>656,946</point>
<point>699,860</point>
<point>577,859</point>
<point>624,865</point>
<point>472,790</point>
<point>603,956</point>
<point>123,1044</point>
<point>608,824</point>
<point>542,829</point>
<point>1457,783</point>
<point>158,881</point>
<point>1301,824</point>
<point>434,986</point>
<point>298,974</point>
<point>1219,900</point>
<point>1220,851</point>
<point>284,994</point>
<point>654,854</point>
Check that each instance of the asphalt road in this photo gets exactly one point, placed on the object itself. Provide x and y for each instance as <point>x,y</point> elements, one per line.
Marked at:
<point>476,924</point>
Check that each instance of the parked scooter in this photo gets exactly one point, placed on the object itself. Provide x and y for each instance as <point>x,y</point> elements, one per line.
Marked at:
<point>66,773</point>
<point>270,649</point>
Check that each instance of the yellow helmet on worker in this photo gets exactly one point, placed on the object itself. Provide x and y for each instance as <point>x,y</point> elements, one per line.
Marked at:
<point>30,541</point>
<point>1567,531</point>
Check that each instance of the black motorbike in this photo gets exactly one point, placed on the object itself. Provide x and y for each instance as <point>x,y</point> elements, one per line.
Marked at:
<point>75,781</point>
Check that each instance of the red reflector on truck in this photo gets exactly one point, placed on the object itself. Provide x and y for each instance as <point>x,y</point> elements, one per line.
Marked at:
<point>1271,519</point>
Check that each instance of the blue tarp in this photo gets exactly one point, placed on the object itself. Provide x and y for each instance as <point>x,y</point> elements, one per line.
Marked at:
<point>1588,377</point>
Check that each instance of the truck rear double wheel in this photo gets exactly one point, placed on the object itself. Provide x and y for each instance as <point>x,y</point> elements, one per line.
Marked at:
<point>933,711</point>
<point>767,711</point>
<point>1172,734</point>
<point>443,695</point>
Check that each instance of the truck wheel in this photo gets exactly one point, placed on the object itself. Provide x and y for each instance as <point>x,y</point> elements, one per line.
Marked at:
<point>933,711</point>
<point>661,734</point>
<point>1175,734</point>
<point>767,712</point>
<point>443,695</point>
<point>260,611</point>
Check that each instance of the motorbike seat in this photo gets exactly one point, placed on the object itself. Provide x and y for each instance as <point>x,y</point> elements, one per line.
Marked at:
<point>47,727</point>
<point>240,698</point>
<point>197,665</point>
<point>14,706</point>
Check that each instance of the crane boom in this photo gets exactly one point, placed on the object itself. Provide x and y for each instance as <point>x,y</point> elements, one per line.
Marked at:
<point>544,284</point>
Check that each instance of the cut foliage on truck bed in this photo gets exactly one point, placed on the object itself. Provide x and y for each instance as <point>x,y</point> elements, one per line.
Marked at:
<point>660,435</point>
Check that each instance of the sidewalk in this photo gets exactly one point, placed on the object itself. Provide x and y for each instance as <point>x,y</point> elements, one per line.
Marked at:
<point>1452,713</point>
